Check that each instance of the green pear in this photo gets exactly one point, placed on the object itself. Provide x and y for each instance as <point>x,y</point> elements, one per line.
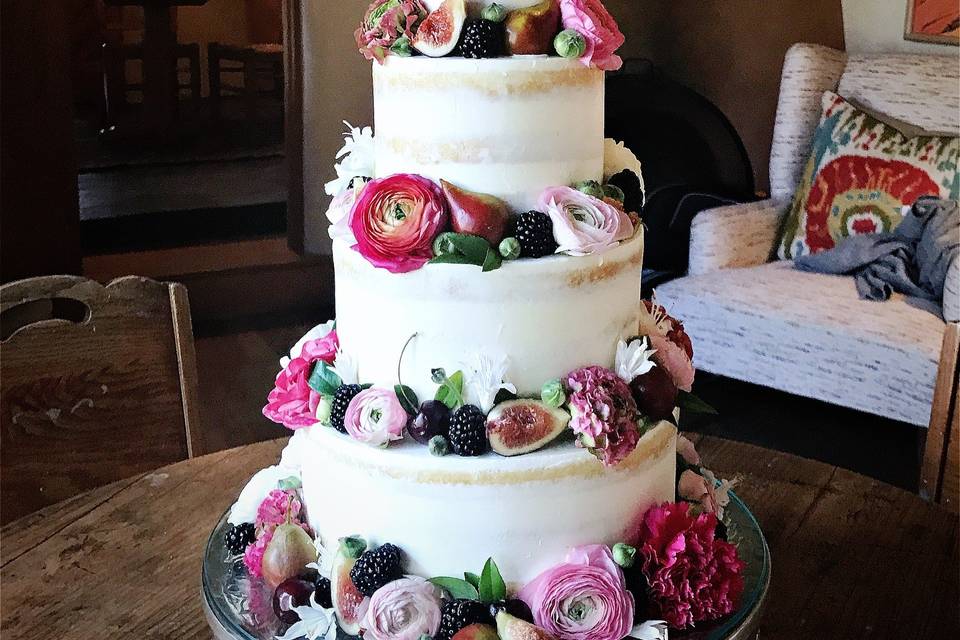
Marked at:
<point>512,628</point>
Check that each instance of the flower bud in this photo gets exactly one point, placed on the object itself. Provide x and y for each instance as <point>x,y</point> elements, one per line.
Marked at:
<point>613,191</point>
<point>591,188</point>
<point>494,13</point>
<point>624,554</point>
<point>438,446</point>
<point>569,43</point>
<point>552,393</point>
<point>444,244</point>
<point>353,546</point>
<point>323,410</point>
<point>509,248</point>
<point>402,47</point>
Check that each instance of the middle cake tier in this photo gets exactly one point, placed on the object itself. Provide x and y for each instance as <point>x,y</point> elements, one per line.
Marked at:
<point>543,317</point>
<point>506,127</point>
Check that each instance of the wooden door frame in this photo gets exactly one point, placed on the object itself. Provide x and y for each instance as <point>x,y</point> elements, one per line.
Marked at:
<point>293,121</point>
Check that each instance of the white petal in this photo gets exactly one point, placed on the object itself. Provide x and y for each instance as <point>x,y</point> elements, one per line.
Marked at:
<point>650,630</point>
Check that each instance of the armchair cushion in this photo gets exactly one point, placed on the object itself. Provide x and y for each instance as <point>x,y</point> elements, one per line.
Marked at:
<point>740,235</point>
<point>809,334</point>
<point>860,174</point>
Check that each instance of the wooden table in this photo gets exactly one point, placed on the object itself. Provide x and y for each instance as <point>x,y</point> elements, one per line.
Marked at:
<point>852,557</point>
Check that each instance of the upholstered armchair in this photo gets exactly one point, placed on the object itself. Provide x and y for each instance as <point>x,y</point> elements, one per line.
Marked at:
<point>757,319</point>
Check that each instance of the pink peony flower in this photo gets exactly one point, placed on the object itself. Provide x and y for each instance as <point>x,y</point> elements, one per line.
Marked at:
<point>253,556</point>
<point>584,598</point>
<point>404,609</point>
<point>693,576</point>
<point>604,413</point>
<point>395,220</point>
<point>385,22</point>
<point>582,224</point>
<point>292,402</point>
<point>598,28</point>
<point>375,416</point>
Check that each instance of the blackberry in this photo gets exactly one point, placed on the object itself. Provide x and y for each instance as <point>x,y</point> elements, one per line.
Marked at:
<point>534,232</point>
<point>513,606</point>
<point>376,568</point>
<point>323,594</point>
<point>238,536</point>
<point>457,614</point>
<point>468,431</point>
<point>341,399</point>
<point>482,39</point>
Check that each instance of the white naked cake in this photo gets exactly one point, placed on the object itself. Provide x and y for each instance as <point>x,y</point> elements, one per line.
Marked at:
<point>484,441</point>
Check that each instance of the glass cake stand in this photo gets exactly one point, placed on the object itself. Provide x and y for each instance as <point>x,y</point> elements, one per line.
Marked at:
<point>238,607</point>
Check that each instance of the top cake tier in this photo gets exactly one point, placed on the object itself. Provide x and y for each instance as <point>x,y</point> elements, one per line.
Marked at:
<point>505,127</point>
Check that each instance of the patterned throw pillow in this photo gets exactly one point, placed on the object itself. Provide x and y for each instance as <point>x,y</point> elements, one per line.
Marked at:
<point>860,173</point>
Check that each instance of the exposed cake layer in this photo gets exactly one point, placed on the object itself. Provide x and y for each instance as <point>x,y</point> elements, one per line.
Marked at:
<point>508,127</point>
<point>546,317</point>
<point>450,514</point>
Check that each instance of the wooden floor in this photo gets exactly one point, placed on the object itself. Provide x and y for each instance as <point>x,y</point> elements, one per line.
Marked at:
<point>238,362</point>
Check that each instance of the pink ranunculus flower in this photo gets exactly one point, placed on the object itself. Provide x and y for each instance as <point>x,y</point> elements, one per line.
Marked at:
<point>292,402</point>
<point>375,416</point>
<point>584,598</point>
<point>385,22</point>
<point>404,609</point>
<point>693,575</point>
<point>395,220</point>
<point>674,361</point>
<point>582,224</point>
<point>338,213</point>
<point>604,413</point>
<point>598,28</point>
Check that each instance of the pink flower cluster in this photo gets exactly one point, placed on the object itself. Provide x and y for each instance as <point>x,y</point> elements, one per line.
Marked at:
<point>604,413</point>
<point>583,598</point>
<point>693,576</point>
<point>599,30</point>
<point>384,23</point>
<point>292,402</point>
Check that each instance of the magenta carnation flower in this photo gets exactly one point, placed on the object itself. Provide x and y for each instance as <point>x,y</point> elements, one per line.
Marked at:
<point>693,575</point>
<point>385,22</point>
<point>292,402</point>
<point>582,224</point>
<point>280,506</point>
<point>599,30</point>
<point>604,413</point>
<point>375,416</point>
<point>253,556</point>
<point>405,609</point>
<point>584,598</point>
<point>395,220</point>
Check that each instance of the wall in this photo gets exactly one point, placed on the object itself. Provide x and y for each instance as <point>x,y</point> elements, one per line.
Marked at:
<point>731,51</point>
<point>877,25</point>
<point>223,21</point>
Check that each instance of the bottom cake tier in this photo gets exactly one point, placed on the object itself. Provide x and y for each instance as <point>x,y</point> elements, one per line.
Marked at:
<point>449,514</point>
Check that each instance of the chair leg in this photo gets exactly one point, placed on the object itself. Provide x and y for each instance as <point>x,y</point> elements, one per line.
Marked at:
<point>213,74</point>
<point>940,469</point>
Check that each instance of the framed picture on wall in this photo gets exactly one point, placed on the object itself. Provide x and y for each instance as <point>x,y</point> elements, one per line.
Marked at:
<point>933,21</point>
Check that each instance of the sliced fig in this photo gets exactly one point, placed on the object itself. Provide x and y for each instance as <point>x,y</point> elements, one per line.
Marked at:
<point>512,628</point>
<point>440,31</point>
<point>349,604</point>
<point>524,425</point>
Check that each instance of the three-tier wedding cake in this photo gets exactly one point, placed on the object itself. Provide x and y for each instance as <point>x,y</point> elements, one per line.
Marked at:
<point>493,396</point>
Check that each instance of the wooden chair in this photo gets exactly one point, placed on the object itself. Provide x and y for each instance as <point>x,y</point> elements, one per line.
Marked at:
<point>940,469</point>
<point>255,63</point>
<point>98,384</point>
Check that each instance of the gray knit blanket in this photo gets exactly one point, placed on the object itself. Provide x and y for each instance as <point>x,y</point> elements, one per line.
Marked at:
<point>912,259</point>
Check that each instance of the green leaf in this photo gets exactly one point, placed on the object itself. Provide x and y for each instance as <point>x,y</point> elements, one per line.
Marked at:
<point>474,247</point>
<point>692,404</point>
<point>492,588</point>
<point>450,392</point>
<point>457,588</point>
<point>472,578</point>
<point>492,260</point>
<point>453,258</point>
<point>323,379</point>
<point>408,398</point>
<point>290,482</point>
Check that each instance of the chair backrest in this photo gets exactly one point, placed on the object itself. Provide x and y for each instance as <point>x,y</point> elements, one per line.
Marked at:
<point>918,89</point>
<point>98,384</point>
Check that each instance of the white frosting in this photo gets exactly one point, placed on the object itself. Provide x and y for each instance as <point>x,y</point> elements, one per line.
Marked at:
<point>450,514</point>
<point>507,126</point>
<point>546,316</point>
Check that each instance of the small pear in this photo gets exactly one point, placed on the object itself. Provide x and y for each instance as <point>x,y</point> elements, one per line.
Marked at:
<point>531,30</point>
<point>476,214</point>
<point>290,549</point>
<point>513,628</point>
